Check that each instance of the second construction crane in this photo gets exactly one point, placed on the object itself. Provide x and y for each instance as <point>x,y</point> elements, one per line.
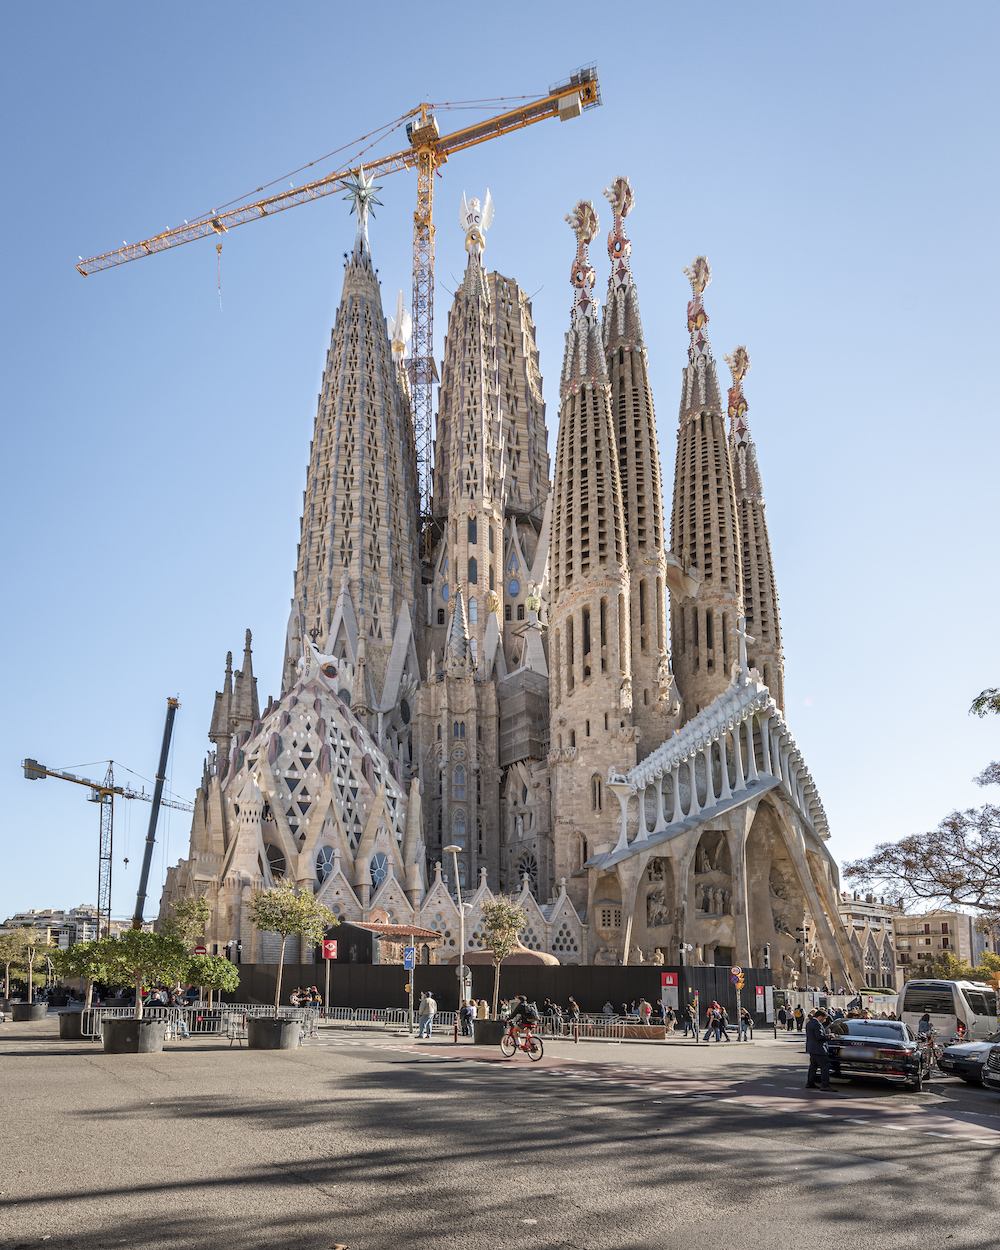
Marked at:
<point>428,149</point>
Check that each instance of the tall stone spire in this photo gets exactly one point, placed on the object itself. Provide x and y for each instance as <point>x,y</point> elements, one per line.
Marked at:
<point>656,707</point>
<point>705,525</point>
<point>359,508</point>
<point>760,594</point>
<point>469,467</point>
<point>220,731</point>
<point>590,663</point>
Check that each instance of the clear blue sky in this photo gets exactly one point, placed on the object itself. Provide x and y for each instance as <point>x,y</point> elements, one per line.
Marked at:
<point>837,164</point>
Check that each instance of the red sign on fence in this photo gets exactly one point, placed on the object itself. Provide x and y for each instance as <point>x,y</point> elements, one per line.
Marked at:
<point>668,978</point>
<point>329,949</point>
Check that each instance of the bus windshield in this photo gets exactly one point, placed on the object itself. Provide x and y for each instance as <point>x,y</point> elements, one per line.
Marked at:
<point>926,998</point>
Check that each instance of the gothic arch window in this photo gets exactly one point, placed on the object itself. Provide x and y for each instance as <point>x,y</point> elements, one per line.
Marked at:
<point>458,786</point>
<point>459,829</point>
<point>596,793</point>
<point>472,530</point>
<point>275,861</point>
<point>379,869</point>
<point>520,611</point>
<point>479,835</point>
<point>473,611</point>
<point>324,863</point>
<point>473,571</point>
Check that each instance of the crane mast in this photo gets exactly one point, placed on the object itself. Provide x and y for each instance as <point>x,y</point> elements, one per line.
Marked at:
<point>428,149</point>
<point>103,793</point>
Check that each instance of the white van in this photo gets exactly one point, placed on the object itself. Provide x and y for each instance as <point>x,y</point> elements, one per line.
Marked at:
<point>971,1004</point>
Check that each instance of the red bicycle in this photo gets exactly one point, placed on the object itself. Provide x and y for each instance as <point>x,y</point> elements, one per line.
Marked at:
<point>521,1039</point>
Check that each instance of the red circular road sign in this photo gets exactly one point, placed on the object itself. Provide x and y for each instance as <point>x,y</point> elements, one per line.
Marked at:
<point>201,950</point>
<point>735,972</point>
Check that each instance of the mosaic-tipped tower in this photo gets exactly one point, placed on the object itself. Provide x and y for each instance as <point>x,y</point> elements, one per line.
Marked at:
<point>590,663</point>
<point>656,706</point>
<point>760,594</point>
<point>705,525</point>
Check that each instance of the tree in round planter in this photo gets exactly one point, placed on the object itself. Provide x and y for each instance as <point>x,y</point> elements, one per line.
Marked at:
<point>145,960</point>
<point>84,959</point>
<point>289,914</point>
<point>212,972</point>
<point>503,920</point>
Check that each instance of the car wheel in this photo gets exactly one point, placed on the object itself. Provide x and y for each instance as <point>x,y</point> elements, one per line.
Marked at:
<point>917,1083</point>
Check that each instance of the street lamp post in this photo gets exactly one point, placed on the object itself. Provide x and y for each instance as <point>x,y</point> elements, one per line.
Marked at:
<point>454,850</point>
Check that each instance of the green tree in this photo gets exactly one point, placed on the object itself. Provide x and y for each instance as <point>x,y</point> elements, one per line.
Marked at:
<point>212,972</point>
<point>957,863</point>
<point>84,959</point>
<point>11,953</point>
<point>503,920</point>
<point>945,966</point>
<point>188,921</point>
<point>144,960</point>
<point>36,946</point>
<point>988,969</point>
<point>289,914</point>
<point>987,701</point>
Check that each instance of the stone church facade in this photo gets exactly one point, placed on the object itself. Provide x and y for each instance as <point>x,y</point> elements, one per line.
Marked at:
<point>587,705</point>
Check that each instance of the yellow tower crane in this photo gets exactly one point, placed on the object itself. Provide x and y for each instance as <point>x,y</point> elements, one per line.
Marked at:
<point>428,149</point>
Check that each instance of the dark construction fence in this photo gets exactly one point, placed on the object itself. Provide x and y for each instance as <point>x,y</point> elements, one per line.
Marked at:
<point>381,985</point>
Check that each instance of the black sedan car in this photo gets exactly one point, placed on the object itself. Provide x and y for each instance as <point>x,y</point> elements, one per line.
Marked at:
<point>991,1070</point>
<point>881,1048</point>
<point>966,1059</point>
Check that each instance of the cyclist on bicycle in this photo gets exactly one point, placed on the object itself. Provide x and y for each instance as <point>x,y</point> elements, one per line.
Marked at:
<point>523,1012</point>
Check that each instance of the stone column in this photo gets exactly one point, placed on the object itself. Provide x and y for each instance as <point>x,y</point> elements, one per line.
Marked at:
<point>624,790</point>
<point>725,792</point>
<point>661,820</point>
<point>738,758</point>
<point>676,814</point>
<point>706,752</point>
<point>694,808</point>
<point>764,720</point>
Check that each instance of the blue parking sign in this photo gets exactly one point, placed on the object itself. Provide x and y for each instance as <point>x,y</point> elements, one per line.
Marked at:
<point>409,957</point>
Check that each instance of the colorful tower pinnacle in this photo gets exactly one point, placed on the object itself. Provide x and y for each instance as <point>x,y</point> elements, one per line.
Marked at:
<point>590,662</point>
<point>705,525</point>
<point>760,594</point>
<point>655,704</point>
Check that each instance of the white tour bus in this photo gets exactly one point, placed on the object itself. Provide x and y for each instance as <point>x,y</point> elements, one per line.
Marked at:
<point>971,1004</point>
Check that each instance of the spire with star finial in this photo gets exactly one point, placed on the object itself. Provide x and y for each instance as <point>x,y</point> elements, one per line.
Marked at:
<point>362,198</point>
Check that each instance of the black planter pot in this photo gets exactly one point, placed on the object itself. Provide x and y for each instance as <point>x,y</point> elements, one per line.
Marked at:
<point>487,1032</point>
<point>266,1033</point>
<point>128,1036</point>
<point>58,1000</point>
<point>118,1002</point>
<point>20,1012</point>
<point>69,1026</point>
<point>7,1003</point>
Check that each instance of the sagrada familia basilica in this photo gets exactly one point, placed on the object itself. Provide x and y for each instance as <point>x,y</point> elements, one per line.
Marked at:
<point>584,696</point>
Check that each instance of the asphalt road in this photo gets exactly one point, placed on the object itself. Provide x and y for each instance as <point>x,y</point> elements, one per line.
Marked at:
<point>375,1142</point>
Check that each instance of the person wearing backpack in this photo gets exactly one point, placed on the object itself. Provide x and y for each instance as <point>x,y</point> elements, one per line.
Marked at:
<point>523,1013</point>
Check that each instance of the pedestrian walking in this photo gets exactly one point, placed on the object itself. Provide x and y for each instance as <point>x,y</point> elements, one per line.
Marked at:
<point>746,1023</point>
<point>782,1017</point>
<point>819,1059</point>
<point>428,1010</point>
<point>800,1019</point>
<point>573,1010</point>
<point>465,1017</point>
<point>645,1011</point>
<point>691,1021</point>
<point>669,1019</point>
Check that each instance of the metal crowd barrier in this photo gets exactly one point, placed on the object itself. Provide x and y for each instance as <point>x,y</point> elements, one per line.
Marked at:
<point>368,1017</point>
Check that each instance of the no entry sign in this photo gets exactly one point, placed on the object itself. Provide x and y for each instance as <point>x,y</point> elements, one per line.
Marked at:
<point>201,950</point>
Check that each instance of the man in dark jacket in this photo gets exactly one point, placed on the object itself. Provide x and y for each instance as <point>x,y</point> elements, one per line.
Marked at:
<point>819,1060</point>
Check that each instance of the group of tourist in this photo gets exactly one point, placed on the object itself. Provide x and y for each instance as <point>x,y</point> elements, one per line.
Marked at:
<point>306,998</point>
